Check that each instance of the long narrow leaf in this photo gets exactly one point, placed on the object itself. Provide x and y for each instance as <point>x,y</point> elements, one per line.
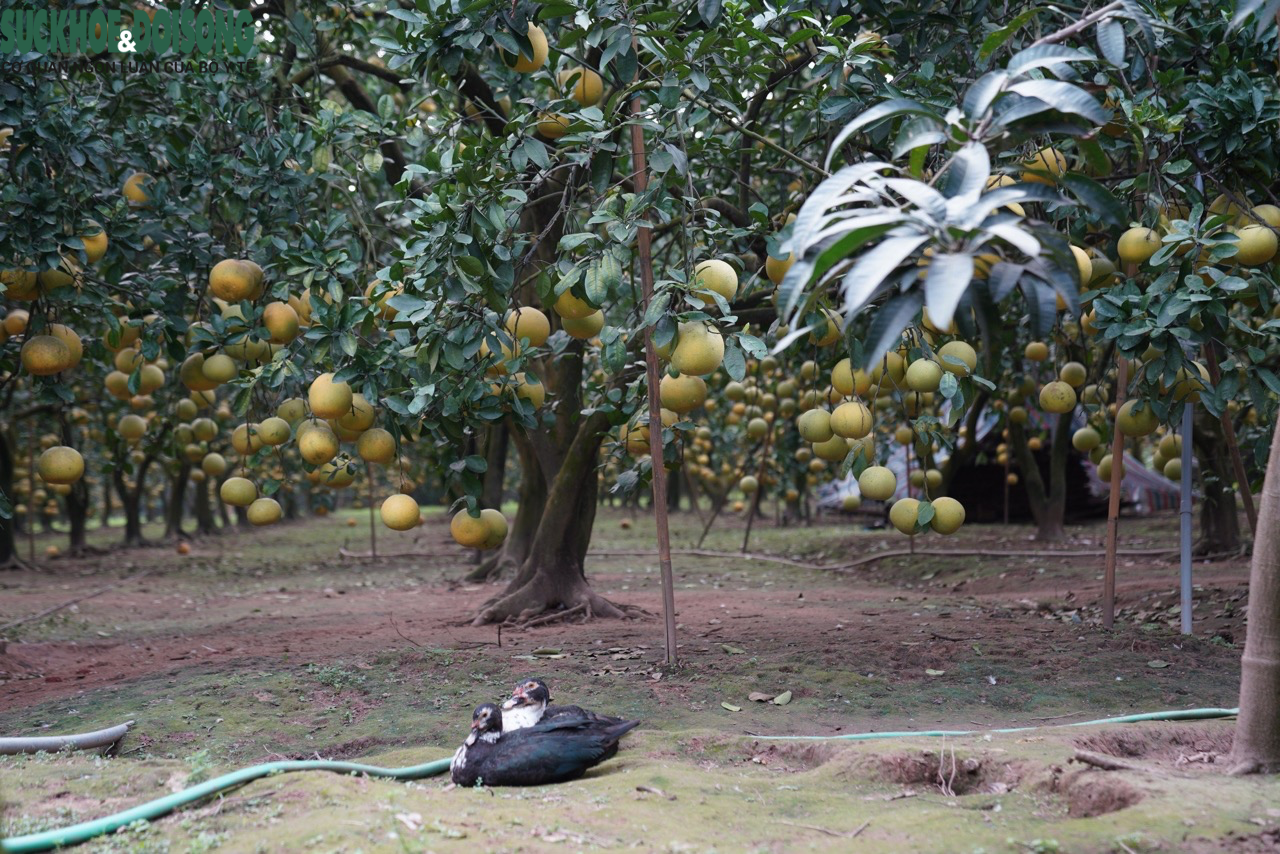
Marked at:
<point>881,111</point>
<point>980,95</point>
<point>871,269</point>
<point>887,324</point>
<point>1063,97</point>
<point>949,277</point>
<point>1096,197</point>
<point>1041,56</point>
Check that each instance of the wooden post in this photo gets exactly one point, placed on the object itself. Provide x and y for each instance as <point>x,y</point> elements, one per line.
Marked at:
<point>1113,504</point>
<point>640,178</point>
<point>1233,447</point>
<point>755,499</point>
<point>373,528</point>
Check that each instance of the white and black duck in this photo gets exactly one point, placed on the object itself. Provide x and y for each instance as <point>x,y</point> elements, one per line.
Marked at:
<point>530,702</point>
<point>551,751</point>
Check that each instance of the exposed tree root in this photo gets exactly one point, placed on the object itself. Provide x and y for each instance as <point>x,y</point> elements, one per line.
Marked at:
<point>536,599</point>
<point>492,569</point>
<point>17,564</point>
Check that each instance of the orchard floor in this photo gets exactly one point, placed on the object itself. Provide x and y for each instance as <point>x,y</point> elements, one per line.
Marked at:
<point>268,644</point>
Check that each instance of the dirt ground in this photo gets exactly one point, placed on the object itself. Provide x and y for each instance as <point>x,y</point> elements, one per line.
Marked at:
<point>269,644</point>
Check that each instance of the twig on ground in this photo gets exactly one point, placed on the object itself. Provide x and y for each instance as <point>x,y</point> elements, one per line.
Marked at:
<point>56,608</point>
<point>1104,762</point>
<point>402,634</point>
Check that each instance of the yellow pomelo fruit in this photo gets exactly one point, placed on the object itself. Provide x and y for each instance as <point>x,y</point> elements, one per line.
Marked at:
<point>317,444</point>
<point>958,350</point>
<point>851,420</point>
<point>246,440</point>
<point>749,485</point>
<point>776,270</point>
<point>683,393</point>
<point>583,328</point>
<point>530,388</point>
<point>495,525</point>
<point>923,375</point>
<point>528,322</point>
<point>281,321</point>
<point>1270,214</point>
<point>1256,245</point>
<point>877,483</point>
<point>1137,245</point>
<point>587,85</point>
<point>1018,415</point>
<point>815,425</point>
<point>833,450</point>
<point>1104,468</point>
<point>186,409</point>
<point>699,348</point>
<point>827,333</point>
<point>399,512</point>
<point>117,384</point>
<point>71,338</point>
<point>150,379</point>
<point>1134,422</point>
<point>214,465</point>
<point>360,417</point>
<point>45,355</point>
<point>219,368</point>
<point>1045,166</point>
<point>135,188</point>
<point>552,125</point>
<point>1173,469</point>
<point>128,360</point>
<point>715,276</point>
<point>1188,385</point>
<point>904,513</point>
<point>527,64</point>
<point>95,245</point>
<point>469,531</point>
<point>191,373</point>
<point>60,465</point>
<point>1085,439</point>
<point>376,445</point>
<point>238,492</point>
<point>1073,374</point>
<point>15,322</point>
<point>1057,397</point>
<point>233,280</point>
<point>20,284</point>
<point>274,431</point>
<point>329,399</point>
<point>335,474</point>
<point>292,410</point>
<point>62,276</point>
<point>892,366</point>
<point>1084,266</point>
<point>264,511</point>
<point>948,515</point>
<point>569,306</point>
<point>1036,351</point>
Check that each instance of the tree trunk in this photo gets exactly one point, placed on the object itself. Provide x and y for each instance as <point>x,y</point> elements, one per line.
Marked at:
<point>205,524</point>
<point>552,576</point>
<point>131,501</point>
<point>177,502</point>
<point>495,455</point>
<point>77,517</point>
<point>8,550</point>
<point>1047,506</point>
<point>532,500</point>
<point>106,502</point>
<point>1256,747</point>
<point>1219,519</point>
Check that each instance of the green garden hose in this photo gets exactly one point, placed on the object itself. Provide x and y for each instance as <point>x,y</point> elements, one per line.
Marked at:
<point>83,832</point>
<point>1175,715</point>
<point>77,833</point>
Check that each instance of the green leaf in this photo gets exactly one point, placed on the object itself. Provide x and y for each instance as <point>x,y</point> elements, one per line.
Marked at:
<point>735,364</point>
<point>995,40</point>
<point>782,699</point>
<point>732,650</point>
<point>887,324</point>
<point>731,707</point>
<point>1096,197</point>
<point>1110,36</point>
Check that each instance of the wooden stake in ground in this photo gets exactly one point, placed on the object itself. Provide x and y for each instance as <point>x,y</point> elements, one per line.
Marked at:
<point>1184,530</point>
<point>373,528</point>
<point>645,257</point>
<point>1113,504</point>
<point>1233,447</point>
